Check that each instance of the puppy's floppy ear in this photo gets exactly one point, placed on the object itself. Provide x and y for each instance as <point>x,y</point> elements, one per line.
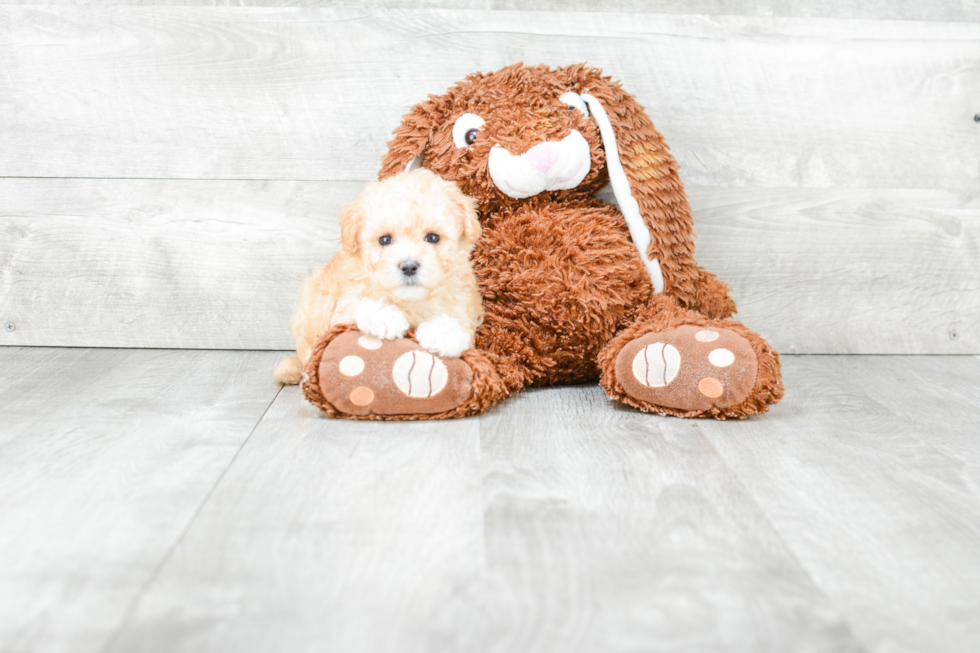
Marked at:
<point>465,208</point>
<point>351,223</point>
<point>649,186</point>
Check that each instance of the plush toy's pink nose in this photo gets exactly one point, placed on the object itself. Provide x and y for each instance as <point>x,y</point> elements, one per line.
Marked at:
<point>543,155</point>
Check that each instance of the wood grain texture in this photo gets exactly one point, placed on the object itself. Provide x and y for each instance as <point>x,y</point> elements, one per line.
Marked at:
<point>947,10</point>
<point>611,530</point>
<point>148,263</point>
<point>870,471</point>
<point>327,536</point>
<point>190,264</point>
<point>847,271</point>
<point>288,93</point>
<point>844,520</point>
<point>557,523</point>
<point>105,457</point>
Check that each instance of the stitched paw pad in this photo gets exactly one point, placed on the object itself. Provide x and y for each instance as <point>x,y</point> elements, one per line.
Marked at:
<point>688,368</point>
<point>362,375</point>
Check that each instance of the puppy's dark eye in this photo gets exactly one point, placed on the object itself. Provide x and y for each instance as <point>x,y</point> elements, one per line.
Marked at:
<point>432,238</point>
<point>385,240</point>
<point>471,136</point>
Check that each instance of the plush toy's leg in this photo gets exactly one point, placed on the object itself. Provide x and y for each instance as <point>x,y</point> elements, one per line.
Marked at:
<point>676,362</point>
<point>712,297</point>
<point>356,376</point>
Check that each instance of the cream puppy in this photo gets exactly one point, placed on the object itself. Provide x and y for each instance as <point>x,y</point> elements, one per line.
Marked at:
<point>404,262</point>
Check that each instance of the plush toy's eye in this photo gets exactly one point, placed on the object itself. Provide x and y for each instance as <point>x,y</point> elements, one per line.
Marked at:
<point>432,238</point>
<point>466,128</point>
<point>575,101</point>
<point>385,240</point>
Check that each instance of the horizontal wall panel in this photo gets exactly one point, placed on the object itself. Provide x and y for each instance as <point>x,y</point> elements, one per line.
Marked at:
<point>289,93</point>
<point>122,263</point>
<point>217,264</point>
<point>947,10</point>
<point>848,271</point>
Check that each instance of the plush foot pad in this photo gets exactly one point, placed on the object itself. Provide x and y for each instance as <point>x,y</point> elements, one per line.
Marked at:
<point>362,375</point>
<point>688,368</point>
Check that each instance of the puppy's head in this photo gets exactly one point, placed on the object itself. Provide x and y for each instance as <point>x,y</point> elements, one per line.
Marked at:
<point>413,232</point>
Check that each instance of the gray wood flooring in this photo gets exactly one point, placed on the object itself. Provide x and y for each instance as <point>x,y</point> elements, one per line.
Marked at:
<point>155,500</point>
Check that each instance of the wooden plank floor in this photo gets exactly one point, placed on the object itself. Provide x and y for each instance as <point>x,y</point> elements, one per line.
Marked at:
<point>155,500</point>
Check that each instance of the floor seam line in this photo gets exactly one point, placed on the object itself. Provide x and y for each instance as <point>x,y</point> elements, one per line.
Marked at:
<point>845,622</point>
<point>165,560</point>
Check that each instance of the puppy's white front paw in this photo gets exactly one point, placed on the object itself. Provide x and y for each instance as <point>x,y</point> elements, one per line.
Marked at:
<point>445,336</point>
<point>380,319</point>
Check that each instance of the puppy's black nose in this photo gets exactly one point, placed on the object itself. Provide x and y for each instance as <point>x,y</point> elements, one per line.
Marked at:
<point>408,268</point>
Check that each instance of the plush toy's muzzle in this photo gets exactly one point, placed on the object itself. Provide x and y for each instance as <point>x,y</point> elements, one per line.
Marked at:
<point>551,165</point>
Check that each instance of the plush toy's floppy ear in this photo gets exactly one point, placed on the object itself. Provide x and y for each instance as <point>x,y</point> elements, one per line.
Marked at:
<point>351,221</point>
<point>406,149</point>
<point>648,188</point>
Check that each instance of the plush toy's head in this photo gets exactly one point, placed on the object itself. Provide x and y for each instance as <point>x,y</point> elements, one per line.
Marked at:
<point>508,135</point>
<point>551,134</point>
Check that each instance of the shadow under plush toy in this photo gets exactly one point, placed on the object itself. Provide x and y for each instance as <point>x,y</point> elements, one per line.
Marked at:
<point>574,289</point>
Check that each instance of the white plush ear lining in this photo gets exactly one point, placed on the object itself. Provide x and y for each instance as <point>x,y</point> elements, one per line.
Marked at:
<point>624,194</point>
<point>415,163</point>
<point>575,100</point>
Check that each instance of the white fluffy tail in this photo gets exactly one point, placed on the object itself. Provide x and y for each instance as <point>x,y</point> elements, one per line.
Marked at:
<point>289,371</point>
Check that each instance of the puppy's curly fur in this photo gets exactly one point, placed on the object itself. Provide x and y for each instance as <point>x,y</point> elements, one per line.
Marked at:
<point>404,263</point>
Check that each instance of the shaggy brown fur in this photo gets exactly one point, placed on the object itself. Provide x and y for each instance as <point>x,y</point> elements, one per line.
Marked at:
<point>564,288</point>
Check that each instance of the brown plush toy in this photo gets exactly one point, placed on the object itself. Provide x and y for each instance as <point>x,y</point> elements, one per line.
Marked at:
<point>574,289</point>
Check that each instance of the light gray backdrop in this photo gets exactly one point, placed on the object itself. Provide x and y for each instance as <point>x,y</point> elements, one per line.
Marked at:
<point>168,174</point>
